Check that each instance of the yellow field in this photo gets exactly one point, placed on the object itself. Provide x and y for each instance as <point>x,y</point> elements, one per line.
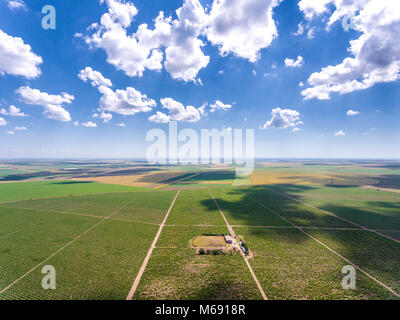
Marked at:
<point>209,242</point>
<point>306,178</point>
<point>146,180</point>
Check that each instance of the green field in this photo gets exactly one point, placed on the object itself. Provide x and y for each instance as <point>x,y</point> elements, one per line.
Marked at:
<point>97,237</point>
<point>59,188</point>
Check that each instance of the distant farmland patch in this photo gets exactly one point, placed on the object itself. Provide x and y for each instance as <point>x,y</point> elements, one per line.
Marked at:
<point>59,188</point>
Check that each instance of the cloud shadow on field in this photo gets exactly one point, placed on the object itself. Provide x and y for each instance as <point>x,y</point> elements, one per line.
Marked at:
<point>374,253</point>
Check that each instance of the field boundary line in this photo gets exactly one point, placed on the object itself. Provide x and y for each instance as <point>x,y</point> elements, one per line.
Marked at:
<point>185,178</point>
<point>333,215</point>
<point>62,248</point>
<point>330,249</point>
<point>135,221</point>
<point>82,215</point>
<point>149,253</point>
<point>195,225</point>
<point>290,227</point>
<point>55,211</point>
<point>242,254</point>
<point>79,195</point>
<point>19,230</point>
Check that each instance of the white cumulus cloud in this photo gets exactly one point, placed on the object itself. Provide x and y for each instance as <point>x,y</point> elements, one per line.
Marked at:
<point>95,77</point>
<point>220,106</point>
<point>3,122</point>
<point>300,29</point>
<point>16,5</point>
<point>340,133</point>
<point>125,102</point>
<point>52,104</point>
<point>184,56</point>
<point>176,112</point>
<point>20,128</point>
<point>106,117</point>
<point>299,62</point>
<point>89,124</point>
<point>374,56</point>
<point>283,119</point>
<point>312,8</point>
<point>141,50</point>
<point>13,111</point>
<point>17,58</point>
<point>242,27</point>
<point>352,113</point>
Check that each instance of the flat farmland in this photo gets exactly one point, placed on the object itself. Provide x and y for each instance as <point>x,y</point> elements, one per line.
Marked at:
<point>240,209</point>
<point>378,257</point>
<point>100,265</point>
<point>176,271</point>
<point>95,252</point>
<point>195,207</point>
<point>290,265</point>
<point>48,189</point>
<point>182,274</point>
<point>295,212</point>
<point>100,240</point>
<point>371,208</point>
<point>147,206</point>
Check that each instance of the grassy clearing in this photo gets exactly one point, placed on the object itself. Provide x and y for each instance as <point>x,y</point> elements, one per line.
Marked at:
<point>48,189</point>
<point>195,207</point>
<point>180,237</point>
<point>209,242</point>
<point>100,265</point>
<point>290,265</point>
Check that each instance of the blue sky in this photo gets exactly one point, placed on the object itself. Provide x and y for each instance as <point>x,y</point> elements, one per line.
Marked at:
<point>248,88</point>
